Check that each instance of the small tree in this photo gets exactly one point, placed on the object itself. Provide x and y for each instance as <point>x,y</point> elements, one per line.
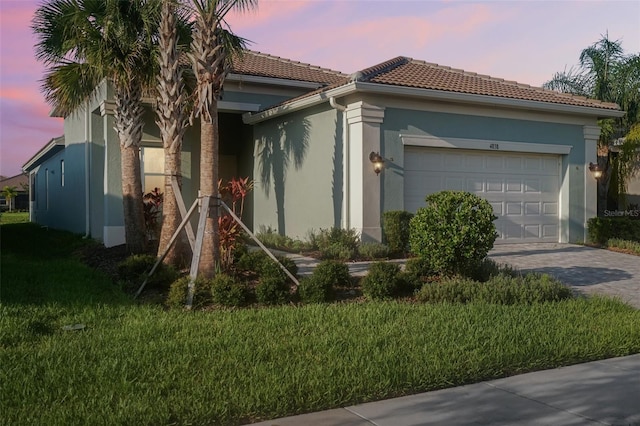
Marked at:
<point>9,193</point>
<point>454,232</point>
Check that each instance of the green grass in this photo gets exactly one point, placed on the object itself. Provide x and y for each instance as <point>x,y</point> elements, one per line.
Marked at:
<point>13,217</point>
<point>141,364</point>
<point>631,247</point>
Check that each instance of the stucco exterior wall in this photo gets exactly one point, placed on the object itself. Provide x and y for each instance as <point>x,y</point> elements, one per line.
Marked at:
<point>298,172</point>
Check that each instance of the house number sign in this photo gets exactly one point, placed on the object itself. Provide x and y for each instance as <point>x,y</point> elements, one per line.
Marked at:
<point>494,146</point>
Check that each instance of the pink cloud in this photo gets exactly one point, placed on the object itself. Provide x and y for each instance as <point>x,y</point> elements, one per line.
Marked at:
<point>267,12</point>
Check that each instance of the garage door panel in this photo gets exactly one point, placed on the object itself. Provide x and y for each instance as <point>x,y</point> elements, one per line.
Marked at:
<point>522,188</point>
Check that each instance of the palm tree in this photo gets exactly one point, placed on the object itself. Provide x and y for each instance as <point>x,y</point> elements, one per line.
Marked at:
<point>211,51</point>
<point>607,74</point>
<point>82,43</point>
<point>9,193</point>
<point>172,120</point>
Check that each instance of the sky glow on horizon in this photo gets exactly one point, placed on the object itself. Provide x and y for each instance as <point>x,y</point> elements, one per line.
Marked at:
<point>525,41</point>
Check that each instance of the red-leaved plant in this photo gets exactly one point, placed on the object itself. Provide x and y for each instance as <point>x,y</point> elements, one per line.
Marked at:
<point>233,194</point>
<point>153,212</point>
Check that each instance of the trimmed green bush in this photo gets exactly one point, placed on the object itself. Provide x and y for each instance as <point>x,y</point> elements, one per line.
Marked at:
<point>257,260</point>
<point>337,243</point>
<point>316,289</point>
<point>488,268</point>
<point>373,250</point>
<point>228,291</point>
<point>382,281</point>
<point>273,288</point>
<point>454,232</point>
<point>177,297</point>
<point>133,271</point>
<point>602,229</point>
<point>419,267</point>
<point>333,272</point>
<point>396,229</point>
<point>502,289</point>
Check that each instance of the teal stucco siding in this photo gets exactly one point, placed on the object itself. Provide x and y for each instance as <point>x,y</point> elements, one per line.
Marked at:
<point>298,171</point>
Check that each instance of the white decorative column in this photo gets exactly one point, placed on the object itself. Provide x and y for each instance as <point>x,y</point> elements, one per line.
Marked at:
<point>113,233</point>
<point>591,135</point>
<point>364,197</point>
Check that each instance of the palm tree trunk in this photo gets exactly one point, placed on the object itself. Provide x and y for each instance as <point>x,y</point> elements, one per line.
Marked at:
<point>209,186</point>
<point>178,254</point>
<point>129,121</point>
<point>171,122</point>
<point>134,229</point>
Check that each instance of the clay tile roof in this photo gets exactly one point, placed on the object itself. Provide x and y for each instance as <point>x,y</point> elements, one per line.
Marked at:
<point>402,71</point>
<point>263,65</point>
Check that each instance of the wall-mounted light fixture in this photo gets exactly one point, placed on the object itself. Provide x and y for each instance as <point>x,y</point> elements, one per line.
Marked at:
<point>596,170</point>
<point>377,161</point>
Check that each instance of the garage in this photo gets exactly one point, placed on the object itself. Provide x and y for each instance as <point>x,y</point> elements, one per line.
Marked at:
<point>523,188</point>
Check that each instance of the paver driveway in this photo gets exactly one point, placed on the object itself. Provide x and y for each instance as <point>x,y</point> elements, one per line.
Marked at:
<point>588,270</point>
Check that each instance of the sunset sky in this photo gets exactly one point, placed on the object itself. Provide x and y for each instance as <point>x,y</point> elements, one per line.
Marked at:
<point>526,41</point>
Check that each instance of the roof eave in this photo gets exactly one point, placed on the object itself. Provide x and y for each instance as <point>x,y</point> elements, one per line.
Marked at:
<point>247,78</point>
<point>297,105</point>
<point>377,88</point>
<point>54,145</point>
<point>486,100</point>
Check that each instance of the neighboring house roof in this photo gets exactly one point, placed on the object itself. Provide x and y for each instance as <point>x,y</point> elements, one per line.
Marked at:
<point>410,77</point>
<point>264,65</point>
<point>52,147</point>
<point>20,181</point>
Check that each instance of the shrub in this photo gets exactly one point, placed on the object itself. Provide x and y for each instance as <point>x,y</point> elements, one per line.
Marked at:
<point>418,267</point>
<point>602,229</point>
<point>488,269</point>
<point>503,289</point>
<point>631,246</point>
<point>333,273</point>
<point>252,261</point>
<point>382,281</point>
<point>257,260</point>
<point>177,297</point>
<point>316,289</point>
<point>395,226</point>
<point>373,250</point>
<point>227,291</point>
<point>337,243</point>
<point>134,270</point>
<point>273,288</point>
<point>454,232</point>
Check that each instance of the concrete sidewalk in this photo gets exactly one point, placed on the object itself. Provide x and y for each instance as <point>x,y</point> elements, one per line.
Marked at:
<point>602,392</point>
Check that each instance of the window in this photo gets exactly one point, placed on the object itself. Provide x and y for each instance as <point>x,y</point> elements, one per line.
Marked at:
<point>62,173</point>
<point>152,169</point>
<point>46,189</point>
<point>32,190</point>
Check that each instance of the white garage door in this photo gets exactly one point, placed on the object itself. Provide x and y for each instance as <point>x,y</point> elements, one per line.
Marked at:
<point>522,188</point>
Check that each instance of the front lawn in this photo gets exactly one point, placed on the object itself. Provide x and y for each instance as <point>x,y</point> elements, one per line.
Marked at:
<point>142,364</point>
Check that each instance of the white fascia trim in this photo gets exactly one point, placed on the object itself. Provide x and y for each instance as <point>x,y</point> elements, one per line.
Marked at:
<point>484,99</point>
<point>299,104</point>
<point>272,81</point>
<point>483,145</point>
<point>228,106</point>
<point>53,144</point>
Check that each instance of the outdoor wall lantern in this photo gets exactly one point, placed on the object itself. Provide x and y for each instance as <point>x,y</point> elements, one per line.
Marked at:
<point>596,170</point>
<point>377,161</point>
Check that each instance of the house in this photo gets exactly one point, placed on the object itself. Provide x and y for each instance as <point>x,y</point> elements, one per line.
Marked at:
<point>307,136</point>
<point>21,200</point>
